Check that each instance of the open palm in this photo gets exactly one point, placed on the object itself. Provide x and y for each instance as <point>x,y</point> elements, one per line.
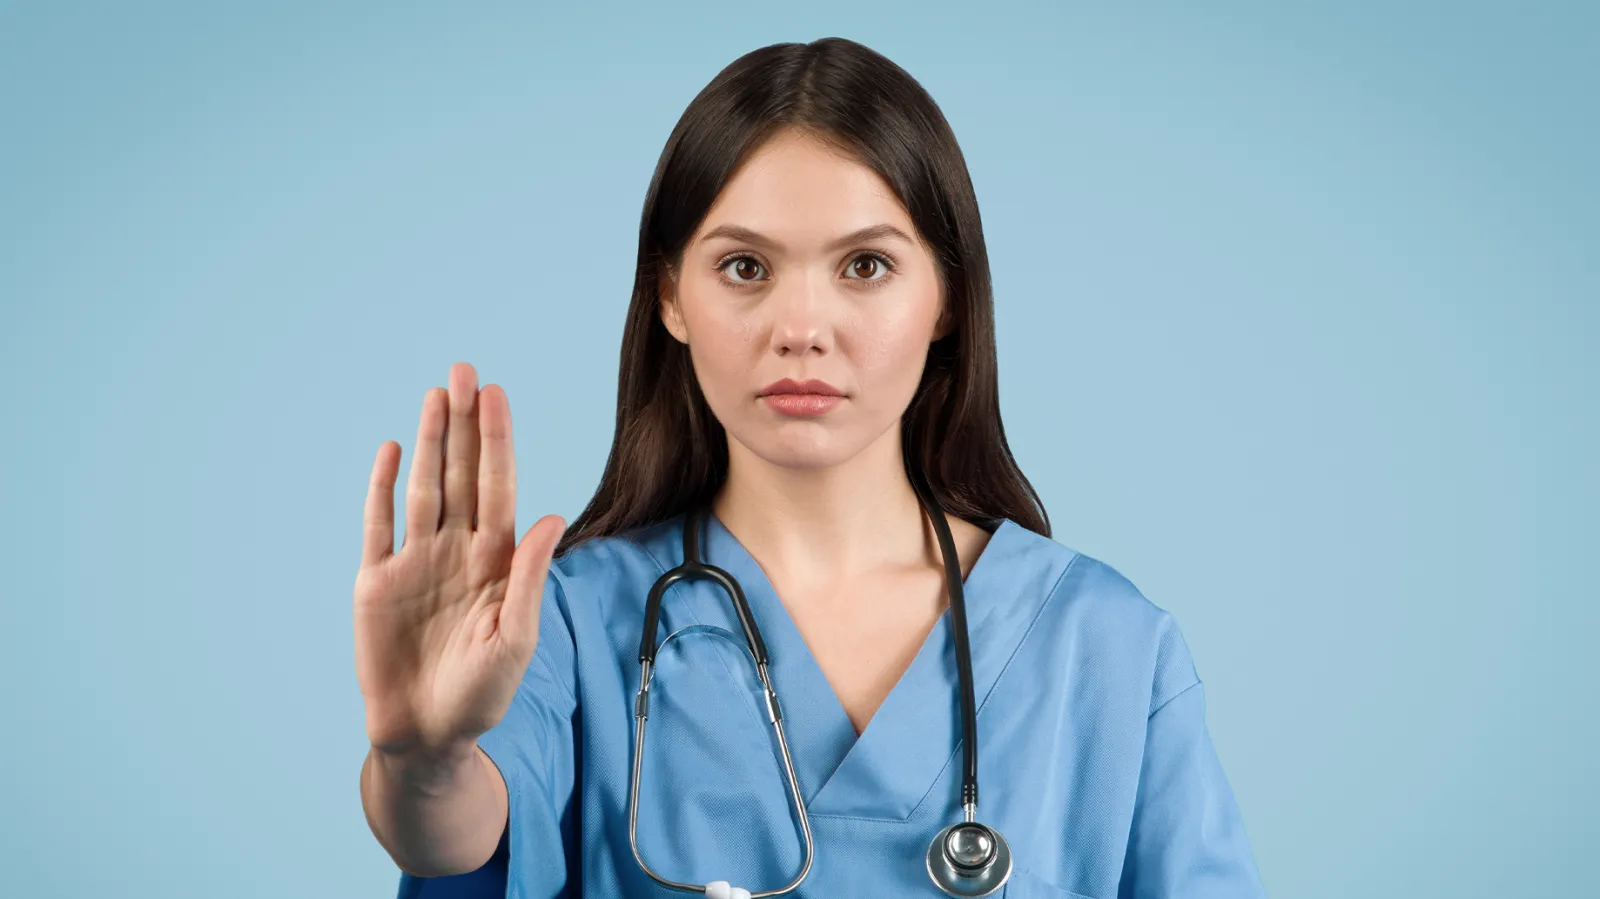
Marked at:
<point>446,627</point>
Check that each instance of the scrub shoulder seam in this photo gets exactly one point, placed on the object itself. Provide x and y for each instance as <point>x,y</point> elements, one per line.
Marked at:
<point>1168,701</point>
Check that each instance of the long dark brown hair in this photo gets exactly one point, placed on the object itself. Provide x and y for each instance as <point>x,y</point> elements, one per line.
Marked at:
<point>669,452</point>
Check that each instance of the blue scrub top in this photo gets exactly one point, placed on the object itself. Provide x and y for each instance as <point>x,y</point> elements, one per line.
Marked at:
<point>1094,758</point>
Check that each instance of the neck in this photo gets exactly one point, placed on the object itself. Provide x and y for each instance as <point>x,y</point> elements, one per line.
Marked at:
<point>813,529</point>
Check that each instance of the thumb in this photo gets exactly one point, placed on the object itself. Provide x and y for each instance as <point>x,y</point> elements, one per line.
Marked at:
<point>530,566</point>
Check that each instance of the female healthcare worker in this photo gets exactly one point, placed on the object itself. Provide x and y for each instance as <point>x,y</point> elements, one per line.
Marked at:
<point>808,413</point>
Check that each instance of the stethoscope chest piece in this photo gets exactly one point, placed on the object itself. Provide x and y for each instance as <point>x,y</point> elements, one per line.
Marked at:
<point>969,859</point>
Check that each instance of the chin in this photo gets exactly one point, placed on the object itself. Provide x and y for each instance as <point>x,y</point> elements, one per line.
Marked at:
<point>801,451</point>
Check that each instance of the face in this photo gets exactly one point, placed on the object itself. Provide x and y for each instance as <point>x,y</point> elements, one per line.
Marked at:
<point>806,268</point>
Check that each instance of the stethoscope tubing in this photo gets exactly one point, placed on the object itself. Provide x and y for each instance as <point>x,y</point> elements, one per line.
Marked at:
<point>958,620</point>
<point>692,568</point>
<point>756,649</point>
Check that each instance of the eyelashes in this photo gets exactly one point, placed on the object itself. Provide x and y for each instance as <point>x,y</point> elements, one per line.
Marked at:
<point>886,263</point>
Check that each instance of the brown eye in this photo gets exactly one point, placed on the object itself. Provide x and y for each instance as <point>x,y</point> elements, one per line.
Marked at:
<point>869,267</point>
<point>744,269</point>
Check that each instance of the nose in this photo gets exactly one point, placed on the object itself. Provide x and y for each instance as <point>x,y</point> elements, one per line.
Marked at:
<point>800,311</point>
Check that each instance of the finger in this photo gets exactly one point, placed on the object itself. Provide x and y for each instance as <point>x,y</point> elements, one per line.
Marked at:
<point>422,488</point>
<point>377,527</point>
<point>461,449</point>
<point>497,472</point>
<point>519,614</point>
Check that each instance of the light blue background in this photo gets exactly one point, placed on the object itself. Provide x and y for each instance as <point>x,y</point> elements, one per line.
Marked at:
<point>1297,321</point>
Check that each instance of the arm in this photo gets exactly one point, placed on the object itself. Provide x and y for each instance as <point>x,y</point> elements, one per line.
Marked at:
<point>1188,838</point>
<point>446,634</point>
<point>436,813</point>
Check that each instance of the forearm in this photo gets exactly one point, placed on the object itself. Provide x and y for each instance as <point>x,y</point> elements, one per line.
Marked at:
<point>437,813</point>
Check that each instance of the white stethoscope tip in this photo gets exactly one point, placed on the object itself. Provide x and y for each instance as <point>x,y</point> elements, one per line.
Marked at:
<point>720,889</point>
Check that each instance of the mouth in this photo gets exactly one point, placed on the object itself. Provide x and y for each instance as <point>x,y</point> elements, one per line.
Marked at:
<point>801,399</point>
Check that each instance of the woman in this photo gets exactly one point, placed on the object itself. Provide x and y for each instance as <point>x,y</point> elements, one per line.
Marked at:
<point>808,388</point>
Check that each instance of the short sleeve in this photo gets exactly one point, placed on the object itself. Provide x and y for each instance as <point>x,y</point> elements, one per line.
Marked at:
<point>535,749</point>
<point>1188,838</point>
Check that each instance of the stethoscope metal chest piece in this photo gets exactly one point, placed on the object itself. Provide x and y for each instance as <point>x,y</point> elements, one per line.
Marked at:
<point>966,859</point>
<point>969,859</point>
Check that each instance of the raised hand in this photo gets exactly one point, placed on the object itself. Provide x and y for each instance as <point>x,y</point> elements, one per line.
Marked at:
<point>446,627</point>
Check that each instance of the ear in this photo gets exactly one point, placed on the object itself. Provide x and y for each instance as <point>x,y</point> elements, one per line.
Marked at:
<point>671,312</point>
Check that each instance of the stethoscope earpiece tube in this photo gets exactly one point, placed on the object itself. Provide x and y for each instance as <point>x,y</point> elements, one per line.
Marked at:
<point>692,568</point>
<point>652,613</point>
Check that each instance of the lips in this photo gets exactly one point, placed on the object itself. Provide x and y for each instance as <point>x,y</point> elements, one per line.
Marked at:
<point>801,399</point>
<point>790,387</point>
<point>801,405</point>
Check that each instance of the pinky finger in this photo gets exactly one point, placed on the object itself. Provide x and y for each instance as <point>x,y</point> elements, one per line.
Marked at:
<point>377,531</point>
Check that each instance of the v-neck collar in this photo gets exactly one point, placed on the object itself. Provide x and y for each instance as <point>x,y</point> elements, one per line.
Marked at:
<point>914,734</point>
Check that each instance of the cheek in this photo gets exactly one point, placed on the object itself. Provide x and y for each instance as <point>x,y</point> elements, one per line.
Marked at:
<point>890,351</point>
<point>725,350</point>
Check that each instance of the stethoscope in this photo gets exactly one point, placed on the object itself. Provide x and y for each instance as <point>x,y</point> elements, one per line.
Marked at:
<point>965,859</point>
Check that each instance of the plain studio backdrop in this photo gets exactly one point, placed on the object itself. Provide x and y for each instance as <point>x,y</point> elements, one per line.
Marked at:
<point>1297,319</point>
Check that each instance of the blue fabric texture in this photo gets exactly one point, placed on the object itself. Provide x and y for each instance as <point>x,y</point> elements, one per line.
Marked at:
<point>1094,758</point>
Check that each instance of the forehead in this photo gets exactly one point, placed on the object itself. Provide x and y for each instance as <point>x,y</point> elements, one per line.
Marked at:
<point>803,192</point>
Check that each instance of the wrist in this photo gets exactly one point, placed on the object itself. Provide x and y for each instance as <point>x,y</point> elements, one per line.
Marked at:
<point>426,768</point>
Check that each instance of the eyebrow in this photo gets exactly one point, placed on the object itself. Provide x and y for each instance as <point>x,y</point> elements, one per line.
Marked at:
<point>745,235</point>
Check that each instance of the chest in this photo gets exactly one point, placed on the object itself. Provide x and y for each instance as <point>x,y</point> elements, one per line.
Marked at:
<point>1051,765</point>
<point>863,639</point>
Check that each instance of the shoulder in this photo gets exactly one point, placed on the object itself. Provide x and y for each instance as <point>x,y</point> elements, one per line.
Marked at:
<point>602,566</point>
<point>599,581</point>
<point>1099,614</point>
